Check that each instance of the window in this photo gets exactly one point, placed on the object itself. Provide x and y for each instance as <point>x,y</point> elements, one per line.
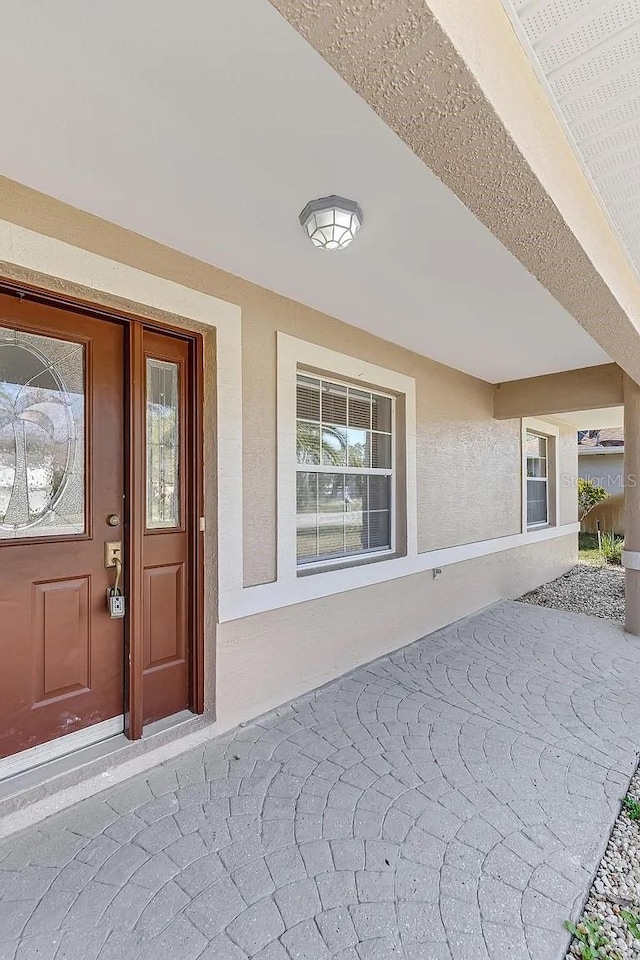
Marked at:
<point>345,472</point>
<point>537,458</point>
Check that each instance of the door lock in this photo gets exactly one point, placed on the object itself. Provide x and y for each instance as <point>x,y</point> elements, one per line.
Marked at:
<point>115,598</point>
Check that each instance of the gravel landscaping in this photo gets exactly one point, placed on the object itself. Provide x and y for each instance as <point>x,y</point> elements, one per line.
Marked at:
<point>593,588</point>
<point>612,911</point>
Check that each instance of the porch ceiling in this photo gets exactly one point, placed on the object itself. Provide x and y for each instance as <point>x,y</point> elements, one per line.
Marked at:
<point>208,125</point>
<point>454,82</point>
<point>593,419</point>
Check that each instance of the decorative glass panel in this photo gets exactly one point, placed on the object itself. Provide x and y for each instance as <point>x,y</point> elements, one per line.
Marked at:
<point>163,445</point>
<point>42,431</point>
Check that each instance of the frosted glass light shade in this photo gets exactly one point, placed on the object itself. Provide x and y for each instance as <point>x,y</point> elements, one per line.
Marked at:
<point>331,223</point>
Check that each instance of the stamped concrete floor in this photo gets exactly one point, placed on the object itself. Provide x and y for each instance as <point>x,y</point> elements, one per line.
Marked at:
<point>451,801</point>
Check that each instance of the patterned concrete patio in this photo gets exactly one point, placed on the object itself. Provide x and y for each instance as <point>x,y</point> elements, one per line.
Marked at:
<point>449,801</point>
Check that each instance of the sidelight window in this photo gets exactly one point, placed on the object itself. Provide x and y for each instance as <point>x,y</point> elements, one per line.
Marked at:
<point>163,444</point>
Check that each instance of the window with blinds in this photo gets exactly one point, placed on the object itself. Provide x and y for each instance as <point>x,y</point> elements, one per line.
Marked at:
<point>537,480</point>
<point>345,467</point>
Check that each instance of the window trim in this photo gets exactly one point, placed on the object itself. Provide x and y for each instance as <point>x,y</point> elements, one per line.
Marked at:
<point>545,479</point>
<point>549,432</point>
<point>296,355</point>
<point>351,559</point>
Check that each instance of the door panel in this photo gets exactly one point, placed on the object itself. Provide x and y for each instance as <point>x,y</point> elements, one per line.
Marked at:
<point>61,476</point>
<point>61,638</point>
<point>167,618</point>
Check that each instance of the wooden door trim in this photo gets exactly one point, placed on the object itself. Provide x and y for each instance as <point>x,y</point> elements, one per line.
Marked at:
<point>135,452</point>
<point>195,452</point>
<point>135,501</point>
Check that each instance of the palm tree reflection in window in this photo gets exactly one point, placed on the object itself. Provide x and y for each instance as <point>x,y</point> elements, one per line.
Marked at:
<point>38,444</point>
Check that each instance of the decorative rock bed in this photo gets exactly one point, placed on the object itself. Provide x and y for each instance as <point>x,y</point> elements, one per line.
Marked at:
<point>613,908</point>
<point>591,588</point>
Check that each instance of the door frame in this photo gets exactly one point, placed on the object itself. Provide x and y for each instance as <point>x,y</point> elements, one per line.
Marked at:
<point>134,434</point>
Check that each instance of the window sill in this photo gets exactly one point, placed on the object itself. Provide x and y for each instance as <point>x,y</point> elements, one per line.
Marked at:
<point>346,563</point>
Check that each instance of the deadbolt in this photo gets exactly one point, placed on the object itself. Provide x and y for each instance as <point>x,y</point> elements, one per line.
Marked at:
<point>113,520</point>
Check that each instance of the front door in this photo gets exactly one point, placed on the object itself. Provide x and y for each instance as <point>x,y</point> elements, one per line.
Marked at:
<point>61,499</point>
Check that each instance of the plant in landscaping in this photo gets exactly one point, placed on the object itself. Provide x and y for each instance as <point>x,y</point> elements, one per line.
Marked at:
<point>589,496</point>
<point>632,807</point>
<point>632,921</point>
<point>612,548</point>
<point>593,943</point>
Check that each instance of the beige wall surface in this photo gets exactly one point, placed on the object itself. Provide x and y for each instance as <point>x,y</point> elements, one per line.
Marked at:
<point>567,475</point>
<point>469,485</point>
<point>607,469</point>
<point>270,658</point>
<point>469,481</point>
<point>468,464</point>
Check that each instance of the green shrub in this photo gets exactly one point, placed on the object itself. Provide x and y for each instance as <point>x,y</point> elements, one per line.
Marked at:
<point>589,496</point>
<point>632,806</point>
<point>612,548</point>
<point>591,941</point>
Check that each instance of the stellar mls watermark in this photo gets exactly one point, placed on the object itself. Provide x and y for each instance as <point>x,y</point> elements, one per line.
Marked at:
<point>610,481</point>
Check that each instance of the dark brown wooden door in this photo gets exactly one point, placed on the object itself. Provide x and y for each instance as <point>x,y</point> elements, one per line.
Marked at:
<point>167,613</point>
<point>61,477</point>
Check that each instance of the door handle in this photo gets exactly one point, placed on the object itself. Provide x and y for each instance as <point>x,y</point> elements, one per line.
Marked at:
<point>115,598</point>
<point>117,562</point>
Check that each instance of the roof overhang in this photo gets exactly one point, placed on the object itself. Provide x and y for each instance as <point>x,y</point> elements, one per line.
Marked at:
<point>453,81</point>
<point>207,127</point>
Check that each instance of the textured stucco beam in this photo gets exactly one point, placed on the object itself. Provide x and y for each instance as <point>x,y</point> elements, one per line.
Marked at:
<point>591,388</point>
<point>452,80</point>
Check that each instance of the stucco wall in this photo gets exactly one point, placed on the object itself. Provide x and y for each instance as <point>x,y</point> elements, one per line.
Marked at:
<point>468,470</point>
<point>607,469</point>
<point>464,456</point>
<point>273,657</point>
<point>567,473</point>
<point>467,462</point>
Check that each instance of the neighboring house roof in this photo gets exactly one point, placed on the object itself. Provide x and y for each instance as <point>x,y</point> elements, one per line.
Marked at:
<point>611,437</point>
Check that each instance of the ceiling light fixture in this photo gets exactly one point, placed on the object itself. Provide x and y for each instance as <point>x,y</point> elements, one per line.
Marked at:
<point>331,223</point>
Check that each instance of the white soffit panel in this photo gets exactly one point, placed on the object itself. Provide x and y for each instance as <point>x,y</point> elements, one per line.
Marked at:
<point>587,55</point>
